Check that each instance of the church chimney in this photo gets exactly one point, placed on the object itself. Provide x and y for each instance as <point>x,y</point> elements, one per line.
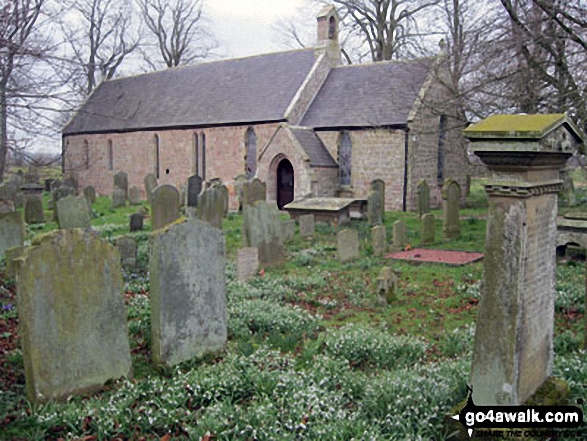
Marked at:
<point>328,22</point>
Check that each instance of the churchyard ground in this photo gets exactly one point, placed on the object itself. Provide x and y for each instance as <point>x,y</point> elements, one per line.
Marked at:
<point>310,355</point>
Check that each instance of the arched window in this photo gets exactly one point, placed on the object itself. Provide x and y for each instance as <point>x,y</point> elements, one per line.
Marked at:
<point>86,154</point>
<point>110,155</point>
<point>157,156</point>
<point>441,139</point>
<point>251,153</point>
<point>332,28</point>
<point>203,166</point>
<point>345,158</point>
<point>196,154</point>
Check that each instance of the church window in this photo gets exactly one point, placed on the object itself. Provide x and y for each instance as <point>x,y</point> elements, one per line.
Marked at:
<point>345,158</point>
<point>251,153</point>
<point>157,156</point>
<point>441,140</point>
<point>110,155</point>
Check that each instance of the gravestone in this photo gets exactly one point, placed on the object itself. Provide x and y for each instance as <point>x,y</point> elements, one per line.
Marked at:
<point>136,222</point>
<point>211,205</point>
<point>17,179</point>
<point>183,195</point>
<point>150,182</point>
<point>8,191</point>
<point>48,183</point>
<point>247,263</point>
<point>70,180</point>
<point>11,231</point>
<point>379,240</point>
<point>119,197</point>
<point>73,212</point>
<point>224,195</point>
<point>19,199</point>
<point>378,186</point>
<point>262,229</point>
<point>71,315</point>
<point>513,352</point>
<point>59,193</point>
<point>239,185</point>
<point>33,209</point>
<point>121,181</point>
<point>127,247</point>
<point>306,225</point>
<point>12,254</point>
<point>386,286</point>
<point>134,196</point>
<point>288,230</point>
<point>451,197</point>
<point>90,194</point>
<point>400,236</point>
<point>194,190</point>
<point>427,229</point>
<point>254,191</point>
<point>188,292</point>
<point>164,206</point>
<point>374,208</point>
<point>347,245</point>
<point>6,206</point>
<point>423,198</point>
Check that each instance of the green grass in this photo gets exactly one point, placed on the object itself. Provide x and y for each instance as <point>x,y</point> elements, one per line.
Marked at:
<point>310,353</point>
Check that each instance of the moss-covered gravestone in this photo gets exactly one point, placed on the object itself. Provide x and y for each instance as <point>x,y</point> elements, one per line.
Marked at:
<point>164,206</point>
<point>33,209</point>
<point>134,196</point>
<point>423,197</point>
<point>73,212</point>
<point>150,182</point>
<point>212,205</point>
<point>451,199</point>
<point>306,225</point>
<point>513,354</point>
<point>71,315</point>
<point>121,182</point>
<point>254,191</point>
<point>378,187</point>
<point>90,194</point>
<point>262,229</point>
<point>400,235</point>
<point>427,229</point>
<point>347,245</point>
<point>188,292</point>
<point>11,231</point>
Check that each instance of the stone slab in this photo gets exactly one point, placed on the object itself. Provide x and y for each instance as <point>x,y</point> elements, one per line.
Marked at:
<point>247,263</point>
<point>347,245</point>
<point>73,212</point>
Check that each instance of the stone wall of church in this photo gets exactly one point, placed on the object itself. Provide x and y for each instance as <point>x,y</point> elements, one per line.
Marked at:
<point>135,153</point>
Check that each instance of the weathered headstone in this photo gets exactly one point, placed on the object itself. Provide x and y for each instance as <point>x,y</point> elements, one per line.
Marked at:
<point>211,205</point>
<point>347,245</point>
<point>6,206</point>
<point>150,185</point>
<point>374,208</point>
<point>73,212</point>
<point>378,186</point>
<point>188,292</point>
<point>71,315</point>
<point>136,222</point>
<point>306,225</point>
<point>165,206</point>
<point>254,191</point>
<point>59,193</point>
<point>127,247</point>
<point>262,229</point>
<point>451,197</point>
<point>19,199</point>
<point>427,229</point>
<point>11,231</point>
<point>386,286</point>
<point>247,263</point>
<point>33,209</point>
<point>8,191</point>
<point>119,197</point>
<point>121,181</point>
<point>194,190</point>
<point>513,352</point>
<point>134,196</point>
<point>90,194</point>
<point>239,185</point>
<point>288,230</point>
<point>423,198</point>
<point>400,236</point>
<point>379,240</point>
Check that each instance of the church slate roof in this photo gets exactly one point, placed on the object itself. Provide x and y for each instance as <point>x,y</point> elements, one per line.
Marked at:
<point>368,95</point>
<point>243,90</point>
<point>314,148</point>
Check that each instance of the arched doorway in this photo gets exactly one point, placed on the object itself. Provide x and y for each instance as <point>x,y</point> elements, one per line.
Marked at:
<point>285,183</point>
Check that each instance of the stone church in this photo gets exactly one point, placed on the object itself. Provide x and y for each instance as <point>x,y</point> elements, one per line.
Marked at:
<point>298,120</point>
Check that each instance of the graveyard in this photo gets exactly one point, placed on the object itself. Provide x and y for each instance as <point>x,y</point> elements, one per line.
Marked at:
<point>313,348</point>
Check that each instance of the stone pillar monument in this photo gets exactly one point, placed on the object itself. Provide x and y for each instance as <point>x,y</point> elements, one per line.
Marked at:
<point>513,352</point>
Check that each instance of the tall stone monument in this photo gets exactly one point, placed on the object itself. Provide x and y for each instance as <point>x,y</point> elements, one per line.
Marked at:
<point>513,352</point>
<point>451,198</point>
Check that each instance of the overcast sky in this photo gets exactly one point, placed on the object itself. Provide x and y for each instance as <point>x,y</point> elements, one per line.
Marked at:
<point>245,27</point>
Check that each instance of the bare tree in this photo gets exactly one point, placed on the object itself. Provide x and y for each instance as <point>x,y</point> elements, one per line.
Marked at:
<point>179,29</point>
<point>99,36</point>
